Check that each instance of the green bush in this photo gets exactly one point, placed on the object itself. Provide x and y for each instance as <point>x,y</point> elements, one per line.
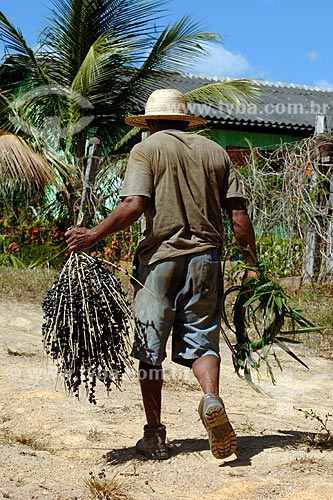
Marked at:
<point>31,242</point>
<point>283,257</point>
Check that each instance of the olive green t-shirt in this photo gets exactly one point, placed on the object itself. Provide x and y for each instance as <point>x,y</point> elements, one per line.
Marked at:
<point>187,178</point>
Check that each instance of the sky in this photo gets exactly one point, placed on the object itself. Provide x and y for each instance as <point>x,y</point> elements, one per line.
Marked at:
<point>276,40</point>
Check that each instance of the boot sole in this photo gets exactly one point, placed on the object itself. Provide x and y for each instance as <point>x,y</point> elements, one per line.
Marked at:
<point>222,437</point>
<point>165,455</point>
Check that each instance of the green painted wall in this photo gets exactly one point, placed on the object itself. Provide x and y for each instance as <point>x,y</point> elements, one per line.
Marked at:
<point>257,139</point>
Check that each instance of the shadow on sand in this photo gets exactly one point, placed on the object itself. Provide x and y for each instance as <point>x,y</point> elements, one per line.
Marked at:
<point>247,447</point>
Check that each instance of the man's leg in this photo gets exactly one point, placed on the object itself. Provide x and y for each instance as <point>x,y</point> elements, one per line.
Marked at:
<point>222,438</point>
<point>207,370</point>
<point>153,444</point>
<point>154,320</point>
<point>151,381</point>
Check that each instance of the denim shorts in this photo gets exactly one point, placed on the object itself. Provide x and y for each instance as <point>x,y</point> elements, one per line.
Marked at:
<point>182,295</point>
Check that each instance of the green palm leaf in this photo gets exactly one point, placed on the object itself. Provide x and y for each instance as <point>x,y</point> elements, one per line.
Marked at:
<point>262,306</point>
<point>14,40</point>
<point>240,91</point>
<point>222,95</point>
<point>179,46</point>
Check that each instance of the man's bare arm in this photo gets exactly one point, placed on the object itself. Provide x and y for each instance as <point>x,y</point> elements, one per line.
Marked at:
<point>242,227</point>
<point>124,215</point>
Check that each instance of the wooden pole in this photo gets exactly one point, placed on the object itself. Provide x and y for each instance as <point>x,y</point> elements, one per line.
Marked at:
<point>312,258</point>
<point>329,244</point>
<point>319,255</point>
<point>94,153</point>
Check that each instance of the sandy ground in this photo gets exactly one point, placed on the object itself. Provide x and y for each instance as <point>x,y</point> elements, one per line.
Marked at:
<point>75,438</point>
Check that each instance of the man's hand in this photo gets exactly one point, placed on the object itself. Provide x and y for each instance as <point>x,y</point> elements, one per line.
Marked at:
<point>79,238</point>
<point>248,281</point>
<point>250,273</point>
<point>124,215</point>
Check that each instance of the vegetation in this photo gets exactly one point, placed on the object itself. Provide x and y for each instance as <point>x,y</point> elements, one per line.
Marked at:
<point>33,440</point>
<point>20,354</point>
<point>94,62</point>
<point>290,203</point>
<point>102,488</point>
<point>262,318</point>
<point>317,300</point>
<point>29,285</point>
<point>323,438</point>
<point>27,242</point>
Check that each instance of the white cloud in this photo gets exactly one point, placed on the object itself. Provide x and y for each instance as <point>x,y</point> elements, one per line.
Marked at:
<point>313,55</point>
<point>222,62</point>
<point>324,83</point>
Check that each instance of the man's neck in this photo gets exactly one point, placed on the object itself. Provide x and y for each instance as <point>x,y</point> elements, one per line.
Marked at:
<point>160,125</point>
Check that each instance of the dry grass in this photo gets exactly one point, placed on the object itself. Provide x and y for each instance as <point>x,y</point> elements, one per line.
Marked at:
<point>307,465</point>
<point>317,304</point>
<point>94,435</point>
<point>22,354</point>
<point>5,418</point>
<point>29,285</point>
<point>102,488</point>
<point>177,380</point>
<point>19,163</point>
<point>32,440</point>
<point>245,427</point>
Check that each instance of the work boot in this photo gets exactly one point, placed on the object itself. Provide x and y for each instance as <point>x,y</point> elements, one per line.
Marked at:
<point>222,439</point>
<point>153,446</point>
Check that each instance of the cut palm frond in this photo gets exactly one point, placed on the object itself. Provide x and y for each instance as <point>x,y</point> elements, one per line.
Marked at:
<point>87,325</point>
<point>260,315</point>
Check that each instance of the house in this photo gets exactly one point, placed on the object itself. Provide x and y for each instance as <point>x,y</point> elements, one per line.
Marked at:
<point>287,113</point>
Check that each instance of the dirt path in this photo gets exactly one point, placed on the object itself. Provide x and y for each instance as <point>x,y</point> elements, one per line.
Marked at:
<point>75,438</point>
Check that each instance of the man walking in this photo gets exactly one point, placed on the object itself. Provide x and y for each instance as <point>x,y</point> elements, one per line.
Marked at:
<point>181,182</point>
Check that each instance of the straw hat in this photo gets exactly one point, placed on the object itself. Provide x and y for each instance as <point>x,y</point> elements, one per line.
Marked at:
<point>165,104</point>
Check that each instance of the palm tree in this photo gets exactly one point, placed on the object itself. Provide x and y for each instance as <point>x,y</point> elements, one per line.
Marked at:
<point>96,61</point>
